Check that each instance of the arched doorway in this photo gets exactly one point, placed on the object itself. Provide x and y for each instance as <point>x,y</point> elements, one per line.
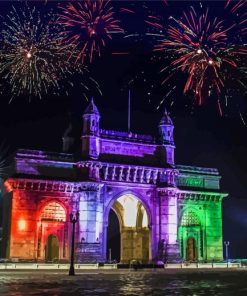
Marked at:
<point>113,237</point>
<point>52,232</point>
<point>134,231</point>
<point>191,252</point>
<point>191,236</point>
<point>52,248</point>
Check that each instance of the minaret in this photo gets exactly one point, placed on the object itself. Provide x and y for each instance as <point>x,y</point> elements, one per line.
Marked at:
<point>166,132</point>
<point>90,134</point>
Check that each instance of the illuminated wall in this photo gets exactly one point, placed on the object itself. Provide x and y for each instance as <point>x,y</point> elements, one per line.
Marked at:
<point>202,221</point>
<point>161,206</point>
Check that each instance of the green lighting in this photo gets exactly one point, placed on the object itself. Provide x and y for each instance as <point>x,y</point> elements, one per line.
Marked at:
<point>200,230</point>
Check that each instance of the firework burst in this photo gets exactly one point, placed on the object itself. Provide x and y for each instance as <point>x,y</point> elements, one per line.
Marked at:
<point>204,48</point>
<point>88,25</point>
<point>33,59</point>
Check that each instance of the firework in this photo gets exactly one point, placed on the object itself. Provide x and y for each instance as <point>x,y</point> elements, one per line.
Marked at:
<point>29,54</point>
<point>88,25</point>
<point>31,58</point>
<point>207,49</point>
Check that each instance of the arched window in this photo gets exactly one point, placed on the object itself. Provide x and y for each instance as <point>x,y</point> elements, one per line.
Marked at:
<point>53,212</point>
<point>190,219</point>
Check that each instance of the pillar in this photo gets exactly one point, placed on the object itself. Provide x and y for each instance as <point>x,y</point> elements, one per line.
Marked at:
<point>90,237</point>
<point>168,247</point>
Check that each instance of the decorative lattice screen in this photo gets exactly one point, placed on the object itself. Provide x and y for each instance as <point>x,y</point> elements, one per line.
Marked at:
<point>53,212</point>
<point>189,219</point>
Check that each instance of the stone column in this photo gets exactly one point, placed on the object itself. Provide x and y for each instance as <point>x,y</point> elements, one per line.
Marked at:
<point>135,174</point>
<point>106,172</point>
<point>168,225</point>
<point>113,173</point>
<point>142,176</point>
<point>90,238</point>
<point>128,174</point>
<point>120,174</point>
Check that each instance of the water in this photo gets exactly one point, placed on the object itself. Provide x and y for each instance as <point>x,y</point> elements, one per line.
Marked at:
<point>123,282</point>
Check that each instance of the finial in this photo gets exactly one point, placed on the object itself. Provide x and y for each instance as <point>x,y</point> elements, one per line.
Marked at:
<point>91,108</point>
<point>166,119</point>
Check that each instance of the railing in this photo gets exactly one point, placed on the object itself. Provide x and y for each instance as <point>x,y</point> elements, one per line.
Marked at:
<point>127,136</point>
<point>129,173</point>
<point>135,174</point>
<point>197,170</point>
<point>39,154</point>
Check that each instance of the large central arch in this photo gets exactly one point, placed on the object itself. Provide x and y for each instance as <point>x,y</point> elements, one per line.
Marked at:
<point>134,221</point>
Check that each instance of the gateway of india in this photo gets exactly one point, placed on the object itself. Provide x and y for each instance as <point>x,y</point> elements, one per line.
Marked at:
<point>166,212</point>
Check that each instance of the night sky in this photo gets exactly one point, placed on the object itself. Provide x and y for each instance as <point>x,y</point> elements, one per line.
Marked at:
<point>202,136</point>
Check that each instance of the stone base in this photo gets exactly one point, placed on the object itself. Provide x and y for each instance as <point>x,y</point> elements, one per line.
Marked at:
<point>89,253</point>
<point>159,263</point>
<point>172,254</point>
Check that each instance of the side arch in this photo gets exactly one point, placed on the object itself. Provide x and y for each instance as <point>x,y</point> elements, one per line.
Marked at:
<point>48,226</point>
<point>191,229</point>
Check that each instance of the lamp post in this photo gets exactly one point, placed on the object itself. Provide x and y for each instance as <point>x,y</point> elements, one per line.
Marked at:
<point>109,255</point>
<point>226,243</point>
<point>73,219</point>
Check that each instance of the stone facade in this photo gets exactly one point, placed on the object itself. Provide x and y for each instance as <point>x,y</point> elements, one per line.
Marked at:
<point>177,209</point>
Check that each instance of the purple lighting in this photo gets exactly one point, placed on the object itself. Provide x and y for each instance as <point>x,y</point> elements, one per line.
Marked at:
<point>166,212</point>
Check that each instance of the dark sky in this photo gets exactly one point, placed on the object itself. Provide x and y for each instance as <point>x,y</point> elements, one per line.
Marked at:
<point>202,137</point>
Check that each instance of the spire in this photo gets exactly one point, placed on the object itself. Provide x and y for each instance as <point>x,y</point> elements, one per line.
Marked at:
<point>166,128</point>
<point>91,108</point>
<point>166,119</point>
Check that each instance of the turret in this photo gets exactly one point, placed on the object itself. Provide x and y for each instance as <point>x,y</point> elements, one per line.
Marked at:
<point>90,134</point>
<point>166,128</point>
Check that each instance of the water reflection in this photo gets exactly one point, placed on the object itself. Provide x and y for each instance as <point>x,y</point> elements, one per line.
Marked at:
<point>124,283</point>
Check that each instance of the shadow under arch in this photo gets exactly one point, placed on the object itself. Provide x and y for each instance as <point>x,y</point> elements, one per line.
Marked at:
<point>52,248</point>
<point>113,237</point>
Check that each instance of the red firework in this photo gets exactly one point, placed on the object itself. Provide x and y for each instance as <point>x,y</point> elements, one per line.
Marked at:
<point>88,24</point>
<point>202,47</point>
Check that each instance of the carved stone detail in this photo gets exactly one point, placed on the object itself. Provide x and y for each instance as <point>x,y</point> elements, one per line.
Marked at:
<point>50,186</point>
